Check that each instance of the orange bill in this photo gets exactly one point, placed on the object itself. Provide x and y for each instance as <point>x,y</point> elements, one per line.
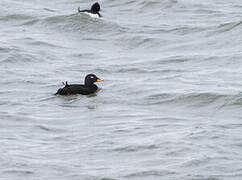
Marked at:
<point>99,80</point>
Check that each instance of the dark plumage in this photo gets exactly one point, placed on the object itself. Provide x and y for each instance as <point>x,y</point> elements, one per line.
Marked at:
<point>88,88</point>
<point>94,9</point>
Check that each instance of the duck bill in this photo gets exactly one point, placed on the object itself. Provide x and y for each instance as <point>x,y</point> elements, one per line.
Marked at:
<point>99,80</point>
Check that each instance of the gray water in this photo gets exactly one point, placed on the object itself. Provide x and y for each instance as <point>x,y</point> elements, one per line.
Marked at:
<point>169,107</point>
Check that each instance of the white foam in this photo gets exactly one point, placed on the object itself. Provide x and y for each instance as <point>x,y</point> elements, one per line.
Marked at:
<point>92,15</point>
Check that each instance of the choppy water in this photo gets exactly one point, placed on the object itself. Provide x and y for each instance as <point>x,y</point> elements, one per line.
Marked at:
<point>170,105</point>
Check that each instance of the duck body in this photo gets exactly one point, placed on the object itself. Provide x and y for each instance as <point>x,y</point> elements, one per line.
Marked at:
<point>85,89</point>
<point>77,89</point>
<point>93,12</point>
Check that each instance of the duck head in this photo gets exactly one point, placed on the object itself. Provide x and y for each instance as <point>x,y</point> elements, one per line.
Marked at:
<point>90,79</point>
<point>95,7</point>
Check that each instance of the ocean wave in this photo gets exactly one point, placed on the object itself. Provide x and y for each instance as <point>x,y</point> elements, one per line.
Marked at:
<point>81,23</point>
<point>226,27</point>
<point>16,17</point>
<point>18,57</point>
<point>134,148</point>
<point>150,173</point>
<point>194,99</point>
<point>172,85</point>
